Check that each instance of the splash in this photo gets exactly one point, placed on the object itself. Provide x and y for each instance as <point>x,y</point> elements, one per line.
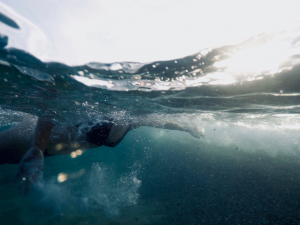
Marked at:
<point>100,189</point>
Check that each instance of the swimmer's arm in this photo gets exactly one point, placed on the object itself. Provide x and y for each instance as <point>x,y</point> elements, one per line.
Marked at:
<point>32,163</point>
<point>192,129</point>
<point>158,124</point>
<point>42,133</point>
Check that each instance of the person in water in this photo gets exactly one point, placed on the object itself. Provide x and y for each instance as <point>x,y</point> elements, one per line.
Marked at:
<point>31,140</point>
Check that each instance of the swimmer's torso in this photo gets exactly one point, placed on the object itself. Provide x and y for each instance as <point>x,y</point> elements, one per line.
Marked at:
<point>63,139</point>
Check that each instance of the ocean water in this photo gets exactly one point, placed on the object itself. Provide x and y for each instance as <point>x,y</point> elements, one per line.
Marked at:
<point>245,98</point>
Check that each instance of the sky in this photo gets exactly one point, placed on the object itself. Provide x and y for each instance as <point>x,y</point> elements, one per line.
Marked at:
<point>77,32</point>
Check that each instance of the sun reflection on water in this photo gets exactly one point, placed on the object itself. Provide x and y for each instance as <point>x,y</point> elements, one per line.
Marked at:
<point>267,54</point>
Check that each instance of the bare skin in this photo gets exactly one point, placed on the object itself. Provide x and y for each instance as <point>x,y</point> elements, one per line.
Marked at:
<point>63,140</point>
<point>27,142</point>
<point>32,163</point>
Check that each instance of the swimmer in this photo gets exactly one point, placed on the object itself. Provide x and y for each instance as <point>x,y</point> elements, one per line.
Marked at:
<point>31,140</point>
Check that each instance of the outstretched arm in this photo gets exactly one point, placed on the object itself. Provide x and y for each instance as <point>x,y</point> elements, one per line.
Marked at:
<point>32,163</point>
<point>170,125</point>
<point>120,128</point>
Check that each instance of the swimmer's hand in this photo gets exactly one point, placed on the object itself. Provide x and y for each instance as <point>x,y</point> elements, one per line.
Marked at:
<point>30,168</point>
<point>195,131</point>
<point>190,128</point>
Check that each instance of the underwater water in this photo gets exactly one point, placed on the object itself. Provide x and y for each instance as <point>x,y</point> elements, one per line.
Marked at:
<point>245,98</point>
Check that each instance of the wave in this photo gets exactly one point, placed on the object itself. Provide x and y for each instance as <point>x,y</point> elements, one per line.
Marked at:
<point>259,75</point>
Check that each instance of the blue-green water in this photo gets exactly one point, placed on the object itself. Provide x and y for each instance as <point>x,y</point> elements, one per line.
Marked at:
<point>160,177</point>
<point>244,171</point>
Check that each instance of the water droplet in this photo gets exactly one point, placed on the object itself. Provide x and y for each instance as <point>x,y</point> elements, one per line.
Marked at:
<point>73,155</point>
<point>62,177</point>
<point>78,152</point>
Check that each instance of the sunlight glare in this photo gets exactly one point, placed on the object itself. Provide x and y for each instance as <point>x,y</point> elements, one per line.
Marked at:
<point>255,60</point>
